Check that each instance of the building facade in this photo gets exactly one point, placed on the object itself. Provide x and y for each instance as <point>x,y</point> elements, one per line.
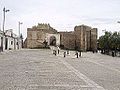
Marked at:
<point>83,37</point>
<point>86,37</point>
<point>9,41</point>
<point>38,35</point>
<point>67,40</point>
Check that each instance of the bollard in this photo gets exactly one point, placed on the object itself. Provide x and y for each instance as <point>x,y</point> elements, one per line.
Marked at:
<point>64,54</point>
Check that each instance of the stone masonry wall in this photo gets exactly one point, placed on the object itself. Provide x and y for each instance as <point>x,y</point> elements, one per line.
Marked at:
<point>67,39</point>
<point>83,37</point>
<point>35,38</point>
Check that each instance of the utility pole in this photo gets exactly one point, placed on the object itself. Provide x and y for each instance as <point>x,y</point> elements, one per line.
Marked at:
<point>19,38</point>
<point>118,21</point>
<point>3,37</point>
<point>19,23</point>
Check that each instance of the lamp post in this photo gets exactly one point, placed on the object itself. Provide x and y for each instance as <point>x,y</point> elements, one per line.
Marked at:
<point>19,23</point>
<point>19,37</point>
<point>104,31</point>
<point>118,21</point>
<point>4,11</point>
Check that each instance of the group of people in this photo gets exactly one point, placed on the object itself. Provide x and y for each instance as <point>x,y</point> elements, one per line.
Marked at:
<point>56,50</point>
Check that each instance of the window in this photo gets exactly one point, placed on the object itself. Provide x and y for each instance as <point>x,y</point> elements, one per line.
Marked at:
<point>11,42</point>
<point>17,43</point>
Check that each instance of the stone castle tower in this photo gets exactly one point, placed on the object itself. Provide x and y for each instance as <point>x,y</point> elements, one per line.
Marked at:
<point>86,37</point>
<point>37,35</point>
<point>82,38</point>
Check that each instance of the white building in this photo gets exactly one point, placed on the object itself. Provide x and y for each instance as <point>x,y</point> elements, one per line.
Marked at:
<point>10,41</point>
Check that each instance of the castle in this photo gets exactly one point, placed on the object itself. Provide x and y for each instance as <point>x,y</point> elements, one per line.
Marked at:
<point>83,37</point>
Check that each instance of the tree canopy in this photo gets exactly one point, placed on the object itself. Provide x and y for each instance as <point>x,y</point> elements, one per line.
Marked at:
<point>110,41</point>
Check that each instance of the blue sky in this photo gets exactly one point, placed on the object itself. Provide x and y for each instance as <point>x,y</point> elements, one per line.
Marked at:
<point>63,15</point>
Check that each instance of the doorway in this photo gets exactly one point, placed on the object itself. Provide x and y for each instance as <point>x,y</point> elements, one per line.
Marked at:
<point>6,43</point>
<point>53,41</point>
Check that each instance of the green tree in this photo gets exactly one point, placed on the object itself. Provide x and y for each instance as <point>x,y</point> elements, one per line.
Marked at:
<point>104,43</point>
<point>109,41</point>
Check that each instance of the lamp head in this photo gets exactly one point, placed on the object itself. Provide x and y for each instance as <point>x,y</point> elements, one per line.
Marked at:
<point>118,21</point>
<point>20,22</point>
<point>7,10</point>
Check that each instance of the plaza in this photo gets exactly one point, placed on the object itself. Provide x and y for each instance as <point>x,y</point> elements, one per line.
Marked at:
<point>40,69</point>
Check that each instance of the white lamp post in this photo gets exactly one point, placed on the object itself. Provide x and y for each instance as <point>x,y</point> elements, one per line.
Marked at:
<point>4,11</point>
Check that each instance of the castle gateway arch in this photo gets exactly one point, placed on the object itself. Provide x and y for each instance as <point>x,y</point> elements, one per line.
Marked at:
<point>53,39</point>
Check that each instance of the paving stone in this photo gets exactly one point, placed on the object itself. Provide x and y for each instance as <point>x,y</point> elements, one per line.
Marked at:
<point>41,70</point>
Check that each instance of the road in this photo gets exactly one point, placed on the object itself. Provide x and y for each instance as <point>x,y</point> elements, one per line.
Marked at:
<point>32,69</point>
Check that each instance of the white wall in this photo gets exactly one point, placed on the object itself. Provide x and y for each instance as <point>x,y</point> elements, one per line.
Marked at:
<point>14,43</point>
<point>14,39</point>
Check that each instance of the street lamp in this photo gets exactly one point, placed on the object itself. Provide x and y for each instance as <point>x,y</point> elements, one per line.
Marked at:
<point>4,11</point>
<point>19,23</point>
<point>19,38</point>
<point>118,21</point>
<point>104,30</point>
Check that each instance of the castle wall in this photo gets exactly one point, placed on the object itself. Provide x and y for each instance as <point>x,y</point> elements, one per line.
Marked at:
<point>35,38</point>
<point>38,34</point>
<point>94,39</point>
<point>67,39</point>
<point>81,34</point>
<point>86,37</point>
<point>82,38</point>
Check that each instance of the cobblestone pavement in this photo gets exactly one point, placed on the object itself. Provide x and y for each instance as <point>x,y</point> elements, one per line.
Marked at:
<point>102,69</point>
<point>41,70</point>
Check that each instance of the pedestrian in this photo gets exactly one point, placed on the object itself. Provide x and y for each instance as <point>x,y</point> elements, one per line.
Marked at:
<point>55,52</point>
<point>80,54</point>
<point>113,54</point>
<point>64,54</point>
<point>77,54</point>
<point>58,49</point>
